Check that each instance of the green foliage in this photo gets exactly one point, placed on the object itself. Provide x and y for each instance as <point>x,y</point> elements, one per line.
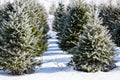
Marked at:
<point>58,23</point>
<point>3,14</point>
<point>22,36</point>
<point>73,25</point>
<point>38,23</point>
<point>117,33</point>
<point>94,51</point>
<point>110,16</point>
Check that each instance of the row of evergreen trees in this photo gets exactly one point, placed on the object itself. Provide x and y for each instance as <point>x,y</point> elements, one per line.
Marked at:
<point>111,17</point>
<point>82,33</point>
<point>23,36</point>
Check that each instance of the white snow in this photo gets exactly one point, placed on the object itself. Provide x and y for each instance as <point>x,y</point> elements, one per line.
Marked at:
<point>54,62</point>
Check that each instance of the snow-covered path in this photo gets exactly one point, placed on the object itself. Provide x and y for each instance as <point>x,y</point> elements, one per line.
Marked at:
<point>54,59</point>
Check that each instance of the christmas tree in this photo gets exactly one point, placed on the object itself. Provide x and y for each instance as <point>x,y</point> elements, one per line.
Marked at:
<point>58,24</point>
<point>94,51</point>
<point>38,21</point>
<point>20,37</point>
<point>110,15</point>
<point>76,18</point>
<point>117,33</point>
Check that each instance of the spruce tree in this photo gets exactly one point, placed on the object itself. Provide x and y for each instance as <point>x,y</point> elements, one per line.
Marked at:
<point>117,33</point>
<point>58,23</point>
<point>94,51</point>
<point>110,15</point>
<point>75,20</point>
<point>18,40</point>
<point>35,9</point>
<point>38,21</point>
<point>3,14</point>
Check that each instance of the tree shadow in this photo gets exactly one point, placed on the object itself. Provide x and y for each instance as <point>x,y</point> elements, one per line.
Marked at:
<point>59,60</point>
<point>7,74</point>
<point>117,62</point>
<point>53,69</point>
<point>4,73</point>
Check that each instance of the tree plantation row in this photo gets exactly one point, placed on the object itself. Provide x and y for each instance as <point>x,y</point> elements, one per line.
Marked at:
<point>88,32</point>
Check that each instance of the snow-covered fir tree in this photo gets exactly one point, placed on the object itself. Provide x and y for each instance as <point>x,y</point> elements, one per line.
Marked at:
<point>76,18</point>
<point>94,51</point>
<point>58,24</point>
<point>38,21</point>
<point>117,32</point>
<point>3,14</point>
<point>110,15</point>
<point>21,38</point>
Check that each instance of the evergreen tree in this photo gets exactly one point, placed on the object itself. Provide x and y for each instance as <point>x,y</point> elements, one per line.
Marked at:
<point>19,40</point>
<point>38,21</point>
<point>75,20</point>
<point>58,23</point>
<point>117,33</point>
<point>3,14</point>
<point>110,15</point>
<point>94,51</point>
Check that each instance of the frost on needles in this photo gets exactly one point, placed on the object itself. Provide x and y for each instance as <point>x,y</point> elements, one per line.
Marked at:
<point>22,37</point>
<point>70,23</point>
<point>94,51</point>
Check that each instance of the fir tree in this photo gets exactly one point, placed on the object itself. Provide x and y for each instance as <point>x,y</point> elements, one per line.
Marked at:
<point>117,33</point>
<point>36,10</point>
<point>75,20</point>
<point>58,23</point>
<point>110,15</point>
<point>3,14</point>
<point>38,22</point>
<point>18,41</point>
<point>94,51</point>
